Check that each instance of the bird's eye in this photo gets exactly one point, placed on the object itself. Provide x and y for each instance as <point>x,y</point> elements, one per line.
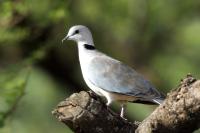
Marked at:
<point>76,31</point>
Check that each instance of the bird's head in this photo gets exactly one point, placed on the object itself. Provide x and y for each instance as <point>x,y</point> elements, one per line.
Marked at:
<point>81,34</point>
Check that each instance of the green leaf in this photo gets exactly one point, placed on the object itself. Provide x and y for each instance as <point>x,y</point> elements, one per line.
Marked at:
<point>12,87</point>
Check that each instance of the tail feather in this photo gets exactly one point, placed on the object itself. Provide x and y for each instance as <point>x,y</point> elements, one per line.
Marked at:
<point>150,102</point>
<point>158,101</point>
<point>144,102</point>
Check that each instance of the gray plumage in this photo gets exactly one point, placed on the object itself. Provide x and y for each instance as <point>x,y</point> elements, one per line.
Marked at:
<point>109,77</point>
<point>113,76</point>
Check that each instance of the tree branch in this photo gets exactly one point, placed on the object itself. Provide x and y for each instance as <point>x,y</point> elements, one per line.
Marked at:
<point>85,113</point>
<point>180,112</point>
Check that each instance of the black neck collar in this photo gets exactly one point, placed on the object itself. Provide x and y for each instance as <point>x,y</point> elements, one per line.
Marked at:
<point>89,47</point>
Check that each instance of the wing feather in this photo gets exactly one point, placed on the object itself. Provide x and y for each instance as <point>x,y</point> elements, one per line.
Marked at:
<point>114,76</point>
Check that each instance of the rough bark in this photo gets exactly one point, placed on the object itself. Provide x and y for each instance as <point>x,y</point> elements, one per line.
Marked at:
<point>180,113</point>
<point>86,113</point>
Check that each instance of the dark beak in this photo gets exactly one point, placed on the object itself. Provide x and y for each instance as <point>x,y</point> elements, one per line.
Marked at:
<point>65,38</point>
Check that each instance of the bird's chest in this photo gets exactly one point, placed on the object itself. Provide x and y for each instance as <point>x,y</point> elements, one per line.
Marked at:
<point>85,60</point>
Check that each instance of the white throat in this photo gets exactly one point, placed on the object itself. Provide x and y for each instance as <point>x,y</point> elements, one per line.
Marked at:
<point>88,41</point>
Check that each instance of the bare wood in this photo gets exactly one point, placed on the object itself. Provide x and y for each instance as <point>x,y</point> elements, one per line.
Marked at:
<point>86,113</point>
<point>180,113</point>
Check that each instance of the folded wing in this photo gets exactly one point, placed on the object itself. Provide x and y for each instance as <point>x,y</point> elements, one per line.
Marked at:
<point>114,76</point>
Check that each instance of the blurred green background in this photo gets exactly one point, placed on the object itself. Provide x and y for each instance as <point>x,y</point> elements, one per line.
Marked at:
<point>160,39</point>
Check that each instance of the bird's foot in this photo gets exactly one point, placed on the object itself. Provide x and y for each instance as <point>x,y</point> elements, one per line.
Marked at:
<point>92,94</point>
